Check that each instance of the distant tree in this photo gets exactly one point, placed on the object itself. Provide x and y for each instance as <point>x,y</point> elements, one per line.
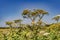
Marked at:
<point>56,18</point>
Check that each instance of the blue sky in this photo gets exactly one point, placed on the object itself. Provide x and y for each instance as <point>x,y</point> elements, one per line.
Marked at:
<point>12,9</point>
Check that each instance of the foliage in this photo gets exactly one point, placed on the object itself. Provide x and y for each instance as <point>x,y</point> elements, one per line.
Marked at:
<point>34,33</point>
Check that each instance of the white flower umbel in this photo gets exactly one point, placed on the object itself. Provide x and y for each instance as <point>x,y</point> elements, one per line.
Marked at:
<point>45,34</point>
<point>59,31</point>
<point>42,32</point>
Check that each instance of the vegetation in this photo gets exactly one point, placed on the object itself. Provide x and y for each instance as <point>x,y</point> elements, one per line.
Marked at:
<point>36,31</point>
<point>57,18</point>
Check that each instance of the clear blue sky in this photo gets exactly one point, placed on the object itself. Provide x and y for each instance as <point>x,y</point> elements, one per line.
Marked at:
<point>12,9</point>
